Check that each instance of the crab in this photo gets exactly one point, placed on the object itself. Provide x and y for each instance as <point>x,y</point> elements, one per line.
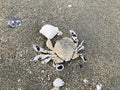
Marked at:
<point>64,50</point>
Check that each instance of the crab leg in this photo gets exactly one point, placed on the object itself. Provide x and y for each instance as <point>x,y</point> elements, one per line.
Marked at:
<point>83,58</point>
<point>56,60</point>
<point>80,47</point>
<point>42,56</point>
<point>39,49</point>
<point>46,60</point>
<point>74,36</point>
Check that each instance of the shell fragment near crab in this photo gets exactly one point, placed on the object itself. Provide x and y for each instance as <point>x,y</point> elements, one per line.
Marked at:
<point>50,31</point>
<point>58,82</point>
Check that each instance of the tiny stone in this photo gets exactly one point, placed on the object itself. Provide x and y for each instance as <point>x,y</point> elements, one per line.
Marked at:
<point>66,89</point>
<point>29,71</point>
<point>42,78</point>
<point>48,77</point>
<point>14,22</point>
<point>69,5</point>
<point>85,81</point>
<point>60,8</point>
<point>43,21</point>
<point>42,71</point>
<point>34,10</point>
<point>18,80</point>
<point>19,89</point>
<point>99,86</point>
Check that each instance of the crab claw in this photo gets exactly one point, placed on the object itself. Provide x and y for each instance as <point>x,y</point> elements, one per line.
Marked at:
<point>59,67</point>
<point>50,31</point>
<point>36,48</point>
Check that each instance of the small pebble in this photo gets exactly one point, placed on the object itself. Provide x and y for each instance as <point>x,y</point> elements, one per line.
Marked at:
<point>43,21</point>
<point>18,80</point>
<point>99,86</point>
<point>48,77</point>
<point>42,71</point>
<point>66,89</point>
<point>29,71</point>
<point>70,6</point>
<point>42,78</point>
<point>60,8</point>
<point>19,89</point>
<point>85,81</point>
<point>14,22</point>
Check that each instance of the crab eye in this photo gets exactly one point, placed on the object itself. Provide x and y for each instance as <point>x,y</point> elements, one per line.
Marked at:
<point>60,67</point>
<point>37,48</point>
<point>74,35</point>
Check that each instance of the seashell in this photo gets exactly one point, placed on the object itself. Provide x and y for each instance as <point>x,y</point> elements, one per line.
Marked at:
<point>58,82</point>
<point>50,31</point>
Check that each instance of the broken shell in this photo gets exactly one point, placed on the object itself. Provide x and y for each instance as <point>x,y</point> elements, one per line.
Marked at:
<point>58,82</point>
<point>49,31</point>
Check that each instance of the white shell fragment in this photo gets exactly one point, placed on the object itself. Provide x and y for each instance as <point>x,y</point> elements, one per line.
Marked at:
<point>58,82</point>
<point>69,5</point>
<point>99,86</point>
<point>85,81</point>
<point>50,31</point>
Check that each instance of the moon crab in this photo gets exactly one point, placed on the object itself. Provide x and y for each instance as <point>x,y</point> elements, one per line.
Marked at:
<point>64,50</point>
